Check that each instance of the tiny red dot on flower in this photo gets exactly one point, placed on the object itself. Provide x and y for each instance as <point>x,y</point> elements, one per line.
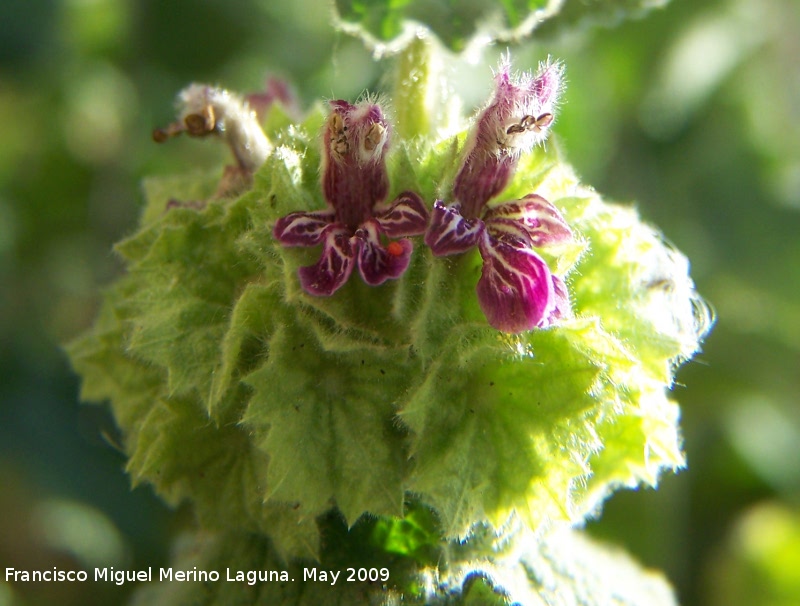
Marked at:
<point>395,249</point>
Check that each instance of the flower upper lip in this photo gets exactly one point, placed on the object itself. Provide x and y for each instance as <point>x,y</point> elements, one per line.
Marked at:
<point>517,118</point>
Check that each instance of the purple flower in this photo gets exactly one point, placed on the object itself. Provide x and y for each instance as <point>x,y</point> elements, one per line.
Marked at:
<point>355,183</point>
<point>516,290</point>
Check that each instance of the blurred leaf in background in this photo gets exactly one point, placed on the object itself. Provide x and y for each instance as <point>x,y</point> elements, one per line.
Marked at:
<point>693,112</point>
<point>757,565</point>
<point>694,115</point>
<point>460,25</point>
<point>82,84</point>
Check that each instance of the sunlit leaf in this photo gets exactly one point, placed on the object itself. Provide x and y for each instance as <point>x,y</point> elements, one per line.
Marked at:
<point>388,22</point>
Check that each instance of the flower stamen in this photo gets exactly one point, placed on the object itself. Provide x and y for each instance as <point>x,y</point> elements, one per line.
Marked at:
<point>339,145</point>
<point>531,123</point>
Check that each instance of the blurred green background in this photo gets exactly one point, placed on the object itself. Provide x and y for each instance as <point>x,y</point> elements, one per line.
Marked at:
<point>693,113</point>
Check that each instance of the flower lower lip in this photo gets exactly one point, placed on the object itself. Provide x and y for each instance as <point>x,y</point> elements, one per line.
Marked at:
<point>344,248</point>
<point>516,290</point>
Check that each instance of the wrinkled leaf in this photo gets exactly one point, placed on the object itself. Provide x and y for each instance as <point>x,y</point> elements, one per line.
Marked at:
<point>384,22</point>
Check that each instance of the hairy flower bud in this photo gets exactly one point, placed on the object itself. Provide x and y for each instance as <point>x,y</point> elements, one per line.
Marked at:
<point>276,91</point>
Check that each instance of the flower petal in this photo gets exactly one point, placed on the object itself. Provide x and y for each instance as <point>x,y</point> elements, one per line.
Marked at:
<point>515,290</point>
<point>377,263</point>
<point>405,216</point>
<point>544,224</point>
<point>303,228</point>
<point>449,233</point>
<point>562,308</point>
<point>276,90</point>
<point>509,231</point>
<point>334,266</point>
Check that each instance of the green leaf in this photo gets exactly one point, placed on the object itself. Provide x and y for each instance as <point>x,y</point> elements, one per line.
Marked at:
<point>386,20</point>
<point>640,443</point>
<point>478,590</point>
<point>564,567</point>
<point>188,278</point>
<point>575,15</point>
<point>339,410</point>
<point>389,22</point>
<point>345,553</point>
<point>570,568</point>
<point>159,191</point>
<point>110,374</point>
<point>498,430</point>
<point>661,315</point>
<point>246,342</point>
<point>219,468</point>
<point>561,567</point>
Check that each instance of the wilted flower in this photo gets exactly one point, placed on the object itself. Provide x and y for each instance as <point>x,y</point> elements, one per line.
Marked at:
<point>355,183</point>
<point>205,110</point>
<point>516,290</point>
